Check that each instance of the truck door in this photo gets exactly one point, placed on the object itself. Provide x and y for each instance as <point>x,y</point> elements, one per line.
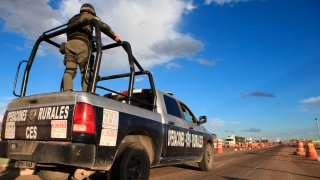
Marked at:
<point>196,132</point>
<point>176,129</point>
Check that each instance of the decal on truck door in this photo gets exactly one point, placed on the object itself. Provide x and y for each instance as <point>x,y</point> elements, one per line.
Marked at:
<point>110,124</point>
<point>182,139</point>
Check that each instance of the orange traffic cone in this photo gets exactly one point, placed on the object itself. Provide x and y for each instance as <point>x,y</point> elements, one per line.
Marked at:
<point>311,152</point>
<point>300,149</point>
<point>219,146</point>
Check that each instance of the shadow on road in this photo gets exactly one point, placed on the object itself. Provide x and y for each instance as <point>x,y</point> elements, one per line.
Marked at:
<point>232,178</point>
<point>187,166</point>
<point>9,173</point>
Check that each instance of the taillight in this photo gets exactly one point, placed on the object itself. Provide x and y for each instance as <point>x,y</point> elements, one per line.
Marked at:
<point>83,120</point>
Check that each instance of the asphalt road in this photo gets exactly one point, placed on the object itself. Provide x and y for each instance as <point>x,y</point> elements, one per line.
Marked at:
<point>273,163</point>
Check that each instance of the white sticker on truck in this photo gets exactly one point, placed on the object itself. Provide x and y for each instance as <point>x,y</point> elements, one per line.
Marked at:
<point>110,119</point>
<point>108,137</point>
<point>110,124</point>
<point>59,129</point>
<point>10,130</point>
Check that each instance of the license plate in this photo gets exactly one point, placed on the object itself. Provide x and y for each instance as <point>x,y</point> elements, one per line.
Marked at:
<point>24,164</point>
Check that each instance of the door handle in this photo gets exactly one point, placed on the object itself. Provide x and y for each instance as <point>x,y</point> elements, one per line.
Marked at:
<point>170,122</point>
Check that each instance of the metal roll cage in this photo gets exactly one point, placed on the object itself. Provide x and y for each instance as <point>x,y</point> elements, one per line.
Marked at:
<point>46,36</point>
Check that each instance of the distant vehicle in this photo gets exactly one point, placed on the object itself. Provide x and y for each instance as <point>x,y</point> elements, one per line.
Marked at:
<point>264,140</point>
<point>249,140</point>
<point>233,140</point>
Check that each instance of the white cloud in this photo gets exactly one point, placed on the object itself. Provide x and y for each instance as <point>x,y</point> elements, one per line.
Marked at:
<point>69,8</point>
<point>29,17</point>
<point>291,133</point>
<point>3,103</point>
<point>190,6</point>
<point>311,104</point>
<point>208,2</point>
<point>2,107</point>
<point>183,45</point>
<point>223,2</point>
<point>222,127</point>
<point>215,123</point>
<point>254,130</point>
<point>311,100</point>
<point>218,123</point>
<point>139,79</point>
<point>206,62</point>
<point>149,25</point>
<point>173,66</point>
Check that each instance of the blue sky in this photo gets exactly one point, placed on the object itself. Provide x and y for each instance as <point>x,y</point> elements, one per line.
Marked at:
<point>250,66</point>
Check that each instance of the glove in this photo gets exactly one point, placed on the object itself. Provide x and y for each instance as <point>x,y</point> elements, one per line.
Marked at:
<point>116,37</point>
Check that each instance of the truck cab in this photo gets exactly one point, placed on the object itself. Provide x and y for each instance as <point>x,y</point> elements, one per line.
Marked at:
<point>230,141</point>
<point>81,133</point>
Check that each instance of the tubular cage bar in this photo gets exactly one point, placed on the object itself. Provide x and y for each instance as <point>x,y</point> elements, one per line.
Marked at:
<point>46,36</point>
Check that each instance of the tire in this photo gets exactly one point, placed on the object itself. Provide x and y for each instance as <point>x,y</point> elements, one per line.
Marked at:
<point>132,164</point>
<point>206,164</point>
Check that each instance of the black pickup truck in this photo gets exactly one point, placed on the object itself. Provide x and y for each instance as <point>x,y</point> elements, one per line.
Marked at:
<point>75,134</point>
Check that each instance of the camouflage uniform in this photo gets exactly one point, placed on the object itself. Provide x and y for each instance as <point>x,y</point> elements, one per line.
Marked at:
<point>77,49</point>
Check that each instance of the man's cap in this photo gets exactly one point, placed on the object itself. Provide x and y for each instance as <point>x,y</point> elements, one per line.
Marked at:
<point>87,8</point>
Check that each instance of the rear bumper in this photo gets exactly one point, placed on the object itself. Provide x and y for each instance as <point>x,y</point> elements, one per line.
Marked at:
<point>73,154</point>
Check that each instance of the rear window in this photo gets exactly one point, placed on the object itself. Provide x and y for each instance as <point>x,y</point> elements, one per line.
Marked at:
<point>142,98</point>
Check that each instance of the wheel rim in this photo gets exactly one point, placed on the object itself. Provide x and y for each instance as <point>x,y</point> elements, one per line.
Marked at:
<point>135,167</point>
<point>209,155</point>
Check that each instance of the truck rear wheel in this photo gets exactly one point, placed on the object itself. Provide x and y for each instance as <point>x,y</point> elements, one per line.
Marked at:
<point>133,163</point>
<point>206,164</point>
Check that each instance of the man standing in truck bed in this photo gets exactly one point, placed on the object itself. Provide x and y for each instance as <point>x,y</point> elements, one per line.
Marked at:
<point>78,44</point>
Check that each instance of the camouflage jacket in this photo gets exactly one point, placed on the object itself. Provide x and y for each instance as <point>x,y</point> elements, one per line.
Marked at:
<point>85,32</point>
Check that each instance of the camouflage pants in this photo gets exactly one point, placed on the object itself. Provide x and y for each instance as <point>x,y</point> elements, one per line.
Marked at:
<point>76,55</point>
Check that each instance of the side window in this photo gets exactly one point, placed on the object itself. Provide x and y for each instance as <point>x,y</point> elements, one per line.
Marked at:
<point>187,114</point>
<point>172,106</point>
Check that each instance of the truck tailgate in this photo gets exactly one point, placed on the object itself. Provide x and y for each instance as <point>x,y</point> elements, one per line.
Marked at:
<point>40,117</point>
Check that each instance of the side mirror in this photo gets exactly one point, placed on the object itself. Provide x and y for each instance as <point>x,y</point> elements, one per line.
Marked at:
<point>202,120</point>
